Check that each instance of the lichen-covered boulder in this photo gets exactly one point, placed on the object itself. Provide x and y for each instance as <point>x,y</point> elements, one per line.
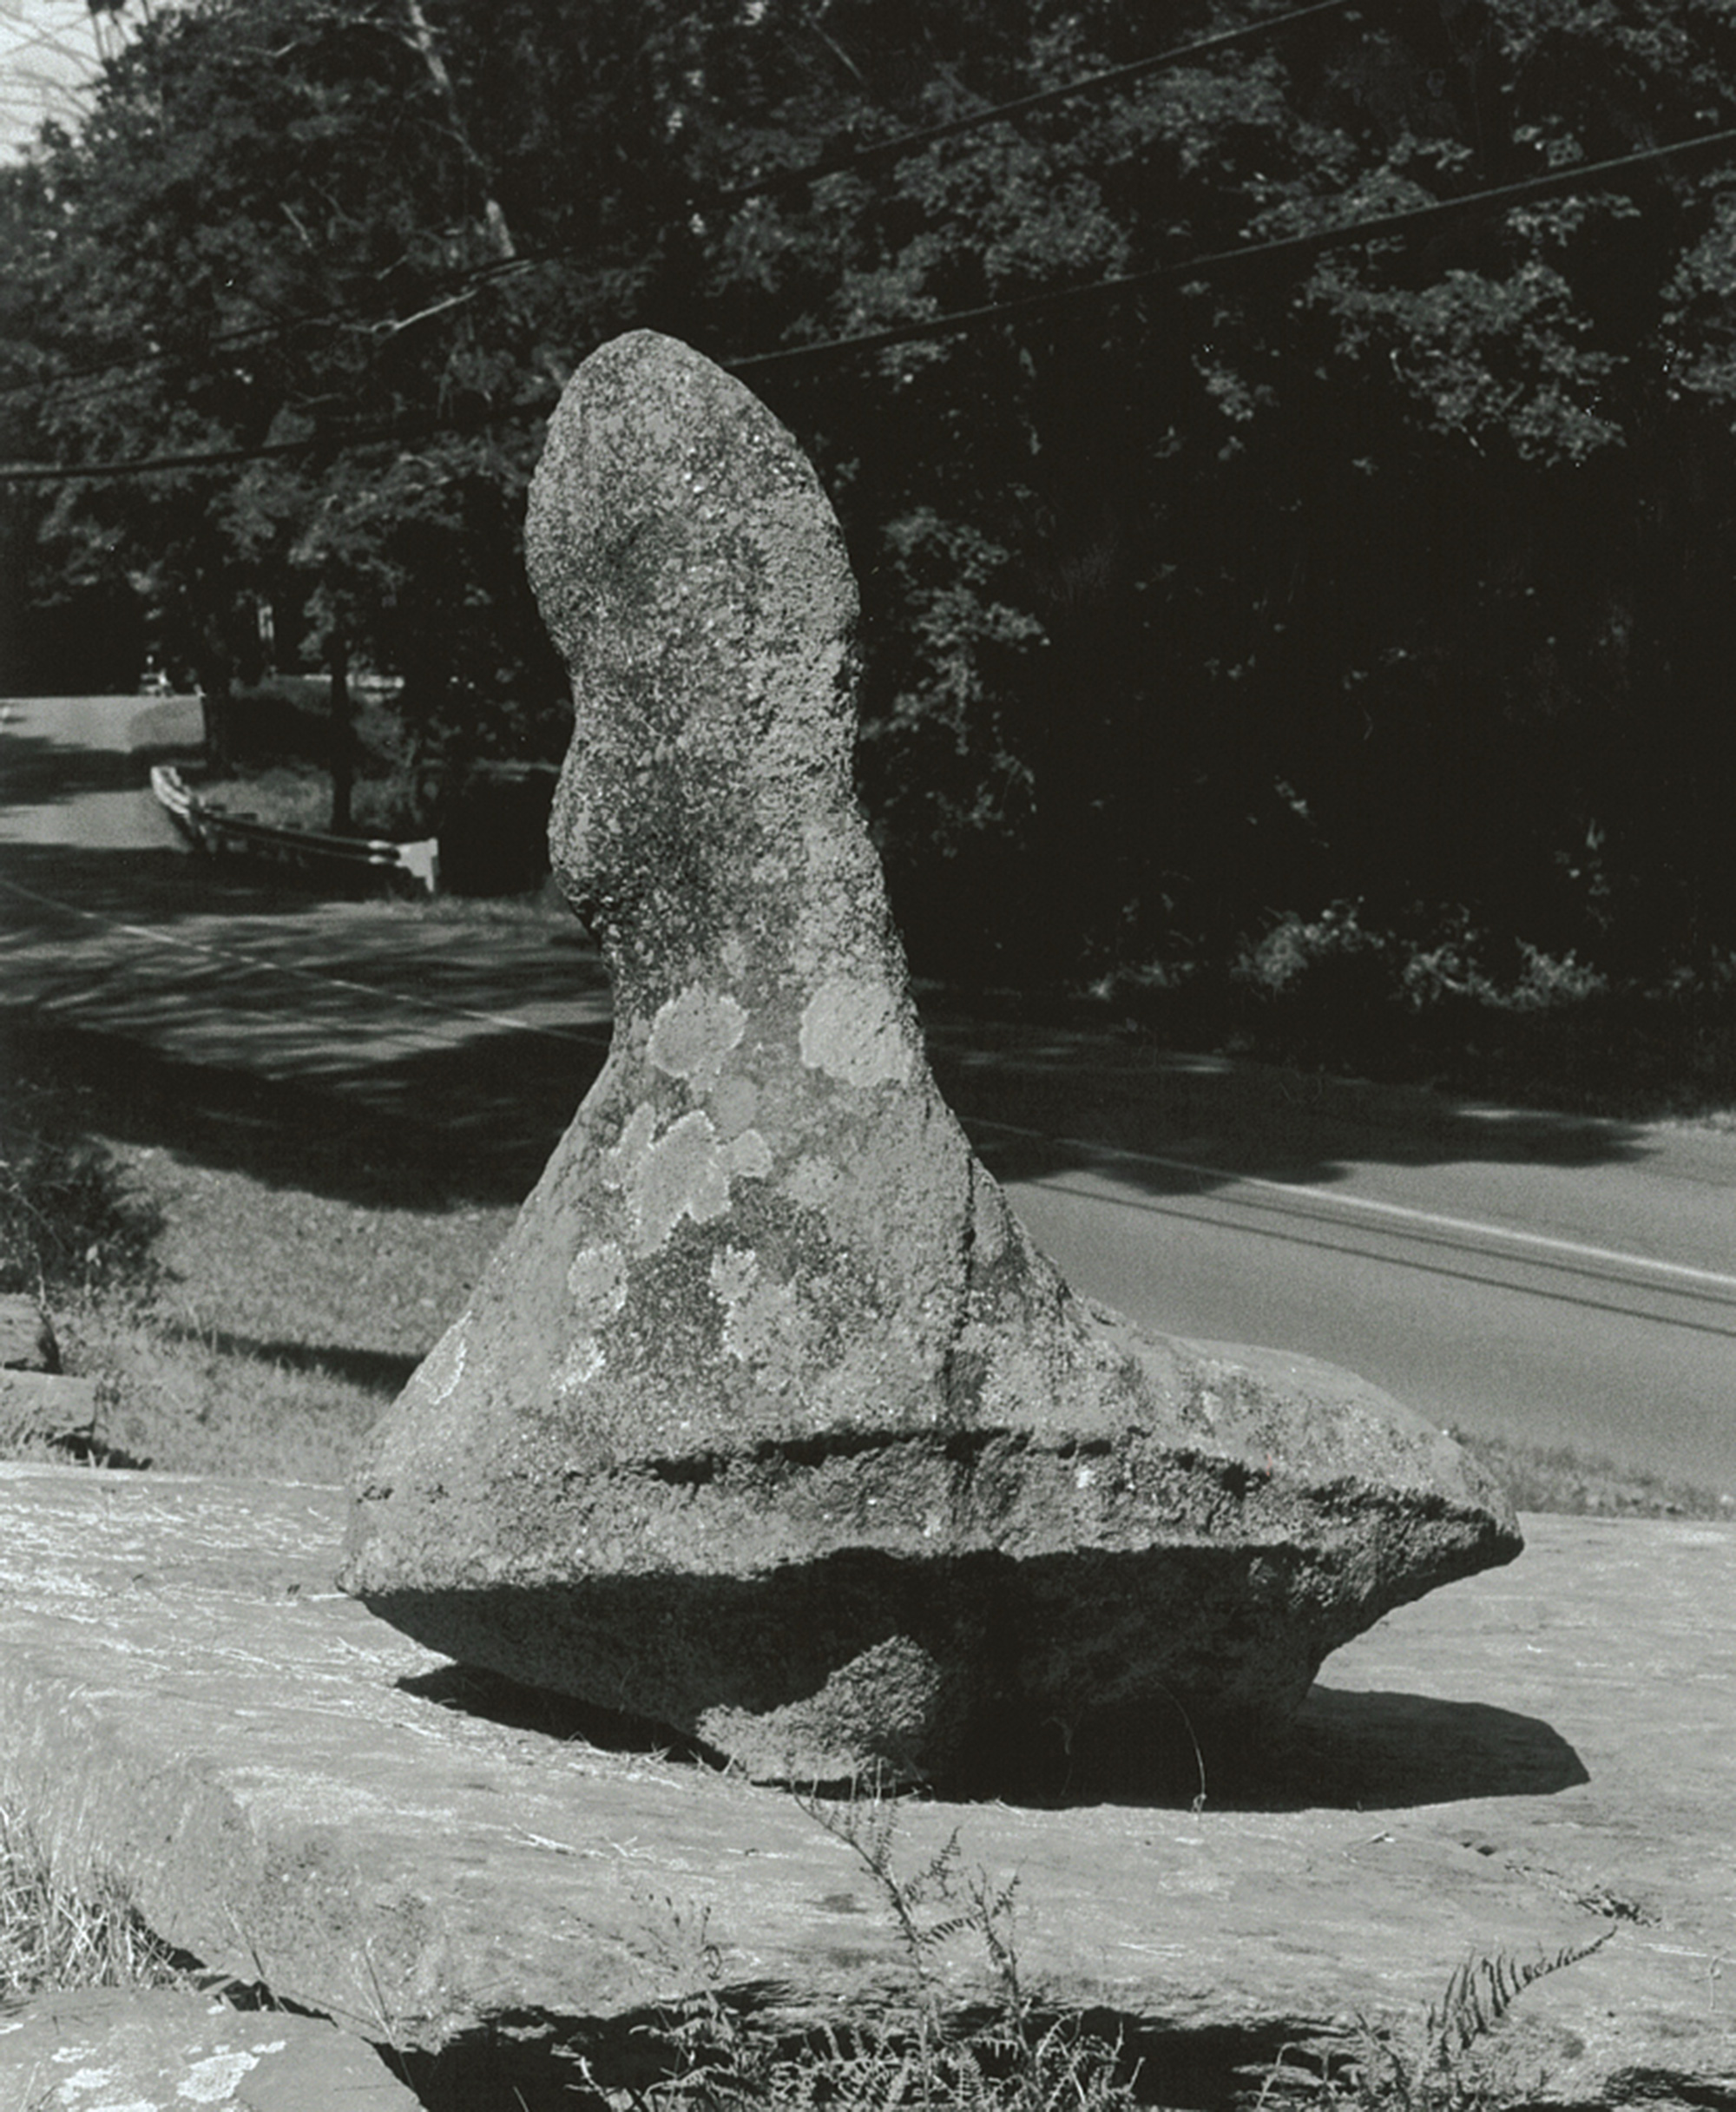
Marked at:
<point>767,1422</point>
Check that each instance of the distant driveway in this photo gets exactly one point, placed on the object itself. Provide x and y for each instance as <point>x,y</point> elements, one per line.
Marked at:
<point>1550,1279</point>
<point>69,775</point>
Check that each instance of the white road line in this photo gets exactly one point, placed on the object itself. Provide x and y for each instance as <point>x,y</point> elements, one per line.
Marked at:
<point>1430,1219</point>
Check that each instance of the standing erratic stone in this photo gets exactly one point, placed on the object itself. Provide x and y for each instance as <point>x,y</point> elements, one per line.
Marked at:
<point>767,1422</point>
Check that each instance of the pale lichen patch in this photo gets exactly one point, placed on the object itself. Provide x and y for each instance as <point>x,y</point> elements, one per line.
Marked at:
<point>993,1226</point>
<point>692,1035</point>
<point>579,1366</point>
<point>622,1161</point>
<point>597,1280</point>
<point>734,1104</point>
<point>812,1181</point>
<point>763,1321</point>
<point>685,1173</point>
<point>682,1174</point>
<point>765,1327</point>
<point>734,1271</point>
<point>750,1155</point>
<point>853,1030</point>
<point>214,2080</point>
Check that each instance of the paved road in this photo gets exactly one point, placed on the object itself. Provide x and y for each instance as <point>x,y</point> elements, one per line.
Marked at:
<point>1552,1279</point>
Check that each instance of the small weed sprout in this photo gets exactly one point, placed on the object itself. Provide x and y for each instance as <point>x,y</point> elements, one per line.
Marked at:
<point>912,2060</point>
<point>1014,2062</point>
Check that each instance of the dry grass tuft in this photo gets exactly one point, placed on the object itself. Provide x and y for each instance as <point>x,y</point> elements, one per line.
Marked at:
<point>54,1938</point>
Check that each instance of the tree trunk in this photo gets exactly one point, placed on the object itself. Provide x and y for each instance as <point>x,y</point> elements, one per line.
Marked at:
<point>215,675</point>
<point>343,758</point>
<point>494,219</point>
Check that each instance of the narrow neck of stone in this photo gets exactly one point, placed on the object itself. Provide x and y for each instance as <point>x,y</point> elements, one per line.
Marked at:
<point>818,974</point>
<point>765,906</point>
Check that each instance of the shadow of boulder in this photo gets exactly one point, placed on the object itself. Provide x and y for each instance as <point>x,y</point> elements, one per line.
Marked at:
<point>1347,1750</point>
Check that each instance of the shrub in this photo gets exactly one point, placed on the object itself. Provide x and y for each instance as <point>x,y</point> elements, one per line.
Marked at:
<point>1547,982</point>
<point>68,1219</point>
<point>1332,960</point>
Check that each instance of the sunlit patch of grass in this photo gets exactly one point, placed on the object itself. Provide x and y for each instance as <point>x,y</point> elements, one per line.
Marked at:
<point>235,1322</point>
<point>284,1322</point>
<point>171,1398</point>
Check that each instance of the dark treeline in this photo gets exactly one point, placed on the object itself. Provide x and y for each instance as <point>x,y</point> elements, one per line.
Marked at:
<point>1396,573</point>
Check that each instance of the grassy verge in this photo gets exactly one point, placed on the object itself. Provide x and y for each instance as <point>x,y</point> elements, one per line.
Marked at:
<point>238,1319</point>
<point>241,1317</point>
<point>243,1322</point>
<point>1559,1479</point>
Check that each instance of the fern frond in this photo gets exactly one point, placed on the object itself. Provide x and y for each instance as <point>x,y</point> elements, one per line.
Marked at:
<point>1482,1990</point>
<point>935,1879</point>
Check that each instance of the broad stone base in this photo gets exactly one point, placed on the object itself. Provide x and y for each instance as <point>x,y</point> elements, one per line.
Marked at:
<point>861,1667</point>
<point>895,1608</point>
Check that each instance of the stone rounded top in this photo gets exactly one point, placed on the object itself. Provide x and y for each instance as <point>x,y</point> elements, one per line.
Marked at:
<point>672,512</point>
<point>691,570</point>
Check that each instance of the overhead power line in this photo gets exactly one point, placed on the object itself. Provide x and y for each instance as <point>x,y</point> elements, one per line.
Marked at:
<point>883,153</point>
<point>334,442</point>
<point>1409,221</point>
<point>1387,225</point>
<point>1021,106</point>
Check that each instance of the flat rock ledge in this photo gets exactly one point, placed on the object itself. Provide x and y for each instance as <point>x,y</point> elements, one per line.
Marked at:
<point>297,1794</point>
<point>161,2049</point>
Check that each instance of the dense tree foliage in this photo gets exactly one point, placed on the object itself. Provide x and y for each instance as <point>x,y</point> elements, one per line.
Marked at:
<point>260,204</point>
<point>1396,571</point>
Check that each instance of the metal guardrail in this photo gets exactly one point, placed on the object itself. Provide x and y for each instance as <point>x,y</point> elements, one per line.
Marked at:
<point>214,830</point>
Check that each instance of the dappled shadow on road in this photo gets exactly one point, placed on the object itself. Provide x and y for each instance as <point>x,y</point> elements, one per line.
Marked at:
<point>376,1053</point>
<point>466,1127</point>
<point>379,1054</point>
<point>156,885</point>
